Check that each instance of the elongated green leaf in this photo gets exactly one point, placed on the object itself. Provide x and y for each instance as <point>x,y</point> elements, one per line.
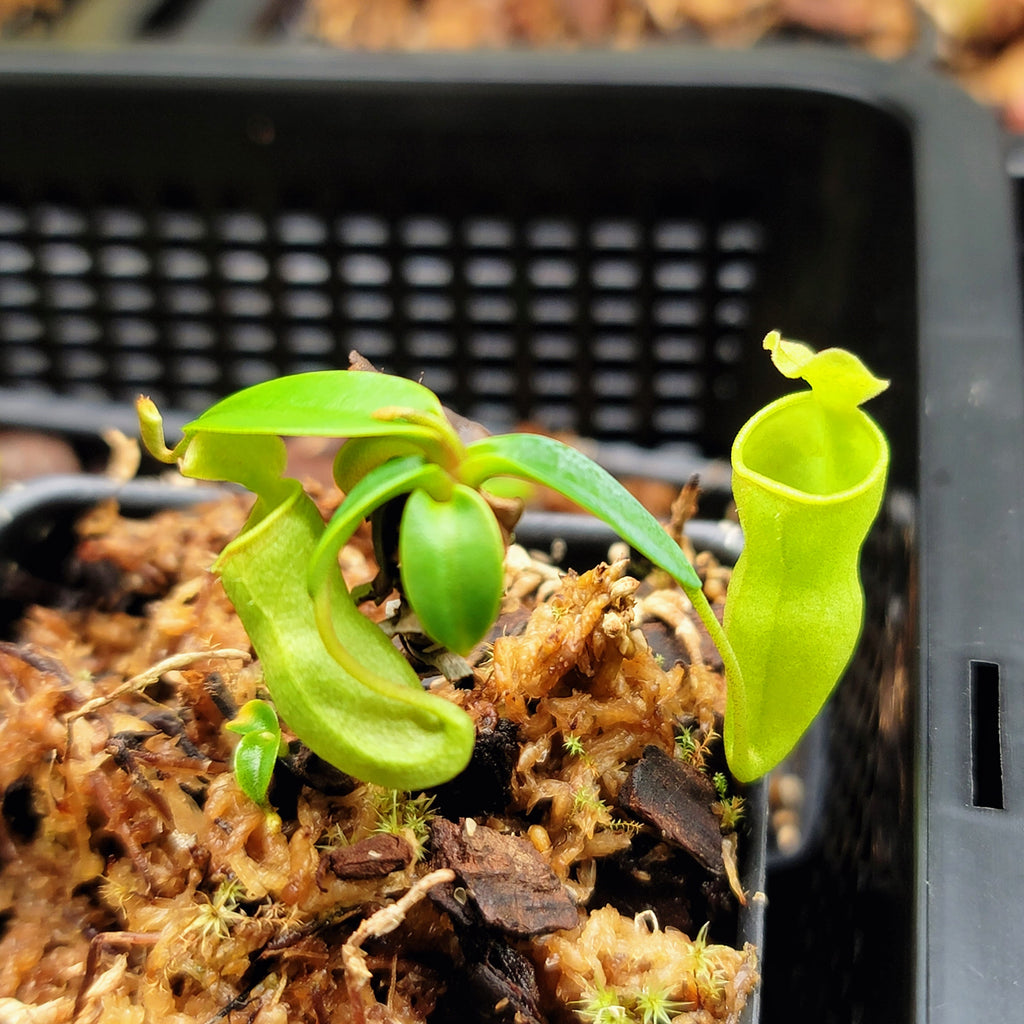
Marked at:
<point>328,403</point>
<point>554,464</point>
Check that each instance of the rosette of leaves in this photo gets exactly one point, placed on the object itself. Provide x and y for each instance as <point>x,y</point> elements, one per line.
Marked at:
<point>334,677</point>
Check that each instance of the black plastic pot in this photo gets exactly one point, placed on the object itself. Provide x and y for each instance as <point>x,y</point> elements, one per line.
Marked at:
<point>599,241</point>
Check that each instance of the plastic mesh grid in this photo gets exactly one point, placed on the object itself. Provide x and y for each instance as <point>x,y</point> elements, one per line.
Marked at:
<point>614,328</point>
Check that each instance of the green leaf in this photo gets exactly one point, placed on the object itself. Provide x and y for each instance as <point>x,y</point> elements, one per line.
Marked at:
<point>554,464</point>
<point>323,403</point>
<point>254,760</point>
<point>258,750</point>
<point>546,461</point>
<point>452,559</point>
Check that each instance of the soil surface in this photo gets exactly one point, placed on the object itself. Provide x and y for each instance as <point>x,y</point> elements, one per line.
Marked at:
<point>582,868</point>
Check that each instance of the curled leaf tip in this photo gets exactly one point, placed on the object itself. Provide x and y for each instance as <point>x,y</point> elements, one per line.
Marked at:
<point>838,377</point>
<point>789,357</point>
<point>151,430</point>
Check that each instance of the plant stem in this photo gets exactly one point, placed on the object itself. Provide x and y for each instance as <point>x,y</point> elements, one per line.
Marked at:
<point>717,633</point>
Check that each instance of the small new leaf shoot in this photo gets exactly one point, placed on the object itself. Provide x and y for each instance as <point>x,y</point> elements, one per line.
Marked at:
<point>694,749</point>
<point>404,814</point>
<point>258,749</point>
<point>602,1006</point>
<point>730,810</point>
<point>655,1007</point>
<point>721,784</point>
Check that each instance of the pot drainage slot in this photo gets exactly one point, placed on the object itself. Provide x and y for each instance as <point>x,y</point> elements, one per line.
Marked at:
<point>986,747</point>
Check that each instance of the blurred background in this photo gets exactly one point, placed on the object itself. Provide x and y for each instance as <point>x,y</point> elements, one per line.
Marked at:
<point>978,42</point>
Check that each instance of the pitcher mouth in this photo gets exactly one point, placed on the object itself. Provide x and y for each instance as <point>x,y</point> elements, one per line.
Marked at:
<point>827,456</point>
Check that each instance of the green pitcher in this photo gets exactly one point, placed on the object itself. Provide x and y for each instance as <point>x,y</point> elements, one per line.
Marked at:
<point>809,472</point>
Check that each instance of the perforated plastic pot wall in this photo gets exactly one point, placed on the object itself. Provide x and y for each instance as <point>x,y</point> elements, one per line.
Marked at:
<point>594,257</point>
<point>599,242</point>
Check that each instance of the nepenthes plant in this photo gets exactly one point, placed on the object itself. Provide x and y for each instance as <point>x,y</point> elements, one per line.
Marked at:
<point>809,473</point>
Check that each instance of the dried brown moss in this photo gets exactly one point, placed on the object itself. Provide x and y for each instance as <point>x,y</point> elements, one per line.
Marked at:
<point>885,27</point>
<point>138,883</point>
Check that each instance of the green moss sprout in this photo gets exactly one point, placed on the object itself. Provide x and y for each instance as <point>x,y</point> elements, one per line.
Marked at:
<point>404,814</point>
<point>604,1005</point>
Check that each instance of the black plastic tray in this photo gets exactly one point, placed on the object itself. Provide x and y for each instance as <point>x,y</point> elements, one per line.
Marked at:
<point>599,241</point>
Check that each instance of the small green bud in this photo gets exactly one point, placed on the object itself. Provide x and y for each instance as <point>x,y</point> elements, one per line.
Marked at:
<point>452,560</point>
<point>258,749</point>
